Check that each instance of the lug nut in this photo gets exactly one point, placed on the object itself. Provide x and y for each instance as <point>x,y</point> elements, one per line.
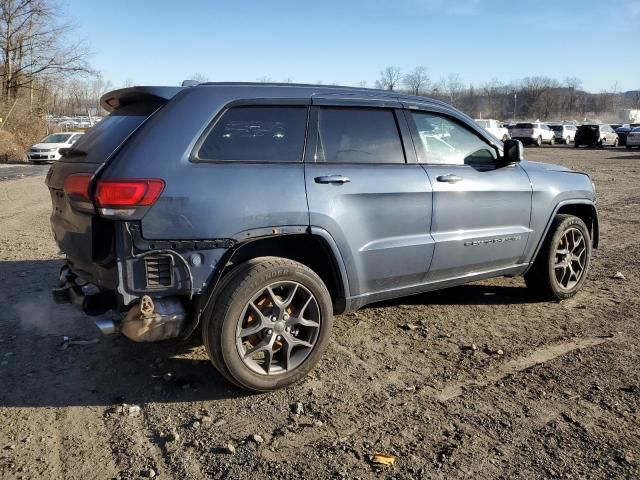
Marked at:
<point>286,316</point>
<point>288,329</point>
<point>269,332</point>
<point>279,338</point>
<point>274,318</point>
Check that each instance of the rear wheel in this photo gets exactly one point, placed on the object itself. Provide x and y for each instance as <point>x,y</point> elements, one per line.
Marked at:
<point>539,141</point>
<point>270,324</point>
<point>563,261</point>
<point>567,140</point>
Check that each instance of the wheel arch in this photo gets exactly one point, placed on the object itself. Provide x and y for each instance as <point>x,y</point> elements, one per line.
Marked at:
<point>584,209</point>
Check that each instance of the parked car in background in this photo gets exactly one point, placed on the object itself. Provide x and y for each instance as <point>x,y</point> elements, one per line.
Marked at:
<point>380,203</point>
<point>633,138</point>
<point>615,126</point>
<point>535,133</point>
<point>48,150</point>
<point>622,132</point>
<point>494,127</point>
<point>564,133</point>
<point>595,135</point>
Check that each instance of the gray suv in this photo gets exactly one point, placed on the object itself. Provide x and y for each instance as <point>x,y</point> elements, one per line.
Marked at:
<point>260,211</point>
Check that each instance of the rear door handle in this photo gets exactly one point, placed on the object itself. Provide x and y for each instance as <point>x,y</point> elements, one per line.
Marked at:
<point>449,178</point>
<point>332,179</point>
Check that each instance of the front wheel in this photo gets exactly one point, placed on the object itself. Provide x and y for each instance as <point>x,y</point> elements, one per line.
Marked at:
<point>567,140</point>
<point>561,266</point>
<point>270,324</point>
<point>539,141</point>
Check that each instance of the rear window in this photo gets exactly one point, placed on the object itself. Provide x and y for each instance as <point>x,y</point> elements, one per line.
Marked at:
<point>556,128</point>
<point>585,128</point>
<point>636,129</point>
<point>257,133</point>
<point>524,125</point>
<point>100,141</point>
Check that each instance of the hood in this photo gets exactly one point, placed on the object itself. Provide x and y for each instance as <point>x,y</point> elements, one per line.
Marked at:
<point>42,146</point>
<point>549,167</point>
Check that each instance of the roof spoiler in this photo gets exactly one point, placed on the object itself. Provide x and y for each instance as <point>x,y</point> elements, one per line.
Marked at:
<point>116,99</point>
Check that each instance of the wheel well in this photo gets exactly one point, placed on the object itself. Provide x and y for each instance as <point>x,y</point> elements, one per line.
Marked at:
<point>307,249</point>
<point>587,213</point>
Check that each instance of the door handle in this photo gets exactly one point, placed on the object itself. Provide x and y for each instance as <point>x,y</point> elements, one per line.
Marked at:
<point>332,179</point>
<point>449,178</point>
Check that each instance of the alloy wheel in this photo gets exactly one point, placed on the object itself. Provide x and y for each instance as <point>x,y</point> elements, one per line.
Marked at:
<point>278,328</point>
<point>570,258</point>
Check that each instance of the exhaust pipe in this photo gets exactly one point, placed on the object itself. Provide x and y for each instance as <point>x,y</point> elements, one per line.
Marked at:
<point>106,326</point>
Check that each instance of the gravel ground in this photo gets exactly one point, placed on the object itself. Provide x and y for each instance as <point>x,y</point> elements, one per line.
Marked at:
<point>551,390</point>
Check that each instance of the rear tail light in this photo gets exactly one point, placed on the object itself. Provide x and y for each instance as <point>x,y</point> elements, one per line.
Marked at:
<point>124,198</point>
<point>139,192</point>
<point>77,186</point>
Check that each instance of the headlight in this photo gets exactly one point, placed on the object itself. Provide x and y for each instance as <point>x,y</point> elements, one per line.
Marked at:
<point>51,150</point>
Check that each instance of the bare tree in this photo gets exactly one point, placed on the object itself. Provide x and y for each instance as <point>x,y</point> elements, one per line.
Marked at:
<point>417,81</point>
<point>453,88</point>
<point>199,77</point>
<point>34,43</point>
<point>389,78</point>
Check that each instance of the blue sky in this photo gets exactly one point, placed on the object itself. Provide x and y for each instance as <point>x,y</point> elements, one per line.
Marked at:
<point>346,42</point>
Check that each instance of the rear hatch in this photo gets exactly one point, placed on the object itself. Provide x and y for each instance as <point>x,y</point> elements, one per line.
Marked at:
<point>81,234</point>
<point>587,134</point>
<point>522,130</point>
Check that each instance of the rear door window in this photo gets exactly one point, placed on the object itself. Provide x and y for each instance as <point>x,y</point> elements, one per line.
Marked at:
<point>358,135</point>
<point>257,134</point>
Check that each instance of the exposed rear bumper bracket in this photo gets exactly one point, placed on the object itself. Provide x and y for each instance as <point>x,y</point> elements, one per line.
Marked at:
<point>143,245</point>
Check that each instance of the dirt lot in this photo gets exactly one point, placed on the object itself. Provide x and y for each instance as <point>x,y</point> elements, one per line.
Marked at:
<point>561,401</point>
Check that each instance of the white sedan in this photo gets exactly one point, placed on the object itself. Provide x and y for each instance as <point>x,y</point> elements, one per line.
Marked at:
<point>48,149</point>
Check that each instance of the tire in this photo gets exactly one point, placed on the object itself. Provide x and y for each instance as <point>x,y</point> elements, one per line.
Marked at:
<point>576,145</point>
<point>552,141</point>
<point>600,143</point>
<point>567,140</point>
<point>615,143</point>
<point>538,141</point>
<point>628,147</point>
<point>243,295</point>
<point>542,277</point>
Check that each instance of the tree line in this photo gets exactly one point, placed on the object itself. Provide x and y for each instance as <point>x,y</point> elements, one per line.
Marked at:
<point>533,97</point>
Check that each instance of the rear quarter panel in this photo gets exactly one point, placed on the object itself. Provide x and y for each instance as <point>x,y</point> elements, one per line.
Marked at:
<point>207,200</point>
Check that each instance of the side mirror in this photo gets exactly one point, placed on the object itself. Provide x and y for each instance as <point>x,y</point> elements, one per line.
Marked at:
<point>513,151</point>
<point>63,151</point>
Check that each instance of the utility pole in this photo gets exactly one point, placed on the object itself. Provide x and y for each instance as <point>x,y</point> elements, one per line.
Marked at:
<point>515,104</point>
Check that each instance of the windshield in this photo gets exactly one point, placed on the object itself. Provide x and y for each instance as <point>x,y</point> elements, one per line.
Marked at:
<point>57,138</point>
<point>636,129</point>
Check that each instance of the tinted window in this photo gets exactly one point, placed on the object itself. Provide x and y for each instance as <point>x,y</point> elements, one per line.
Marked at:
<point>447,142</point>
<point>556,128</point>
<point>524,125</point>
<point>351,135</point>
<point>257,133</point>
<point>100,141</point>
